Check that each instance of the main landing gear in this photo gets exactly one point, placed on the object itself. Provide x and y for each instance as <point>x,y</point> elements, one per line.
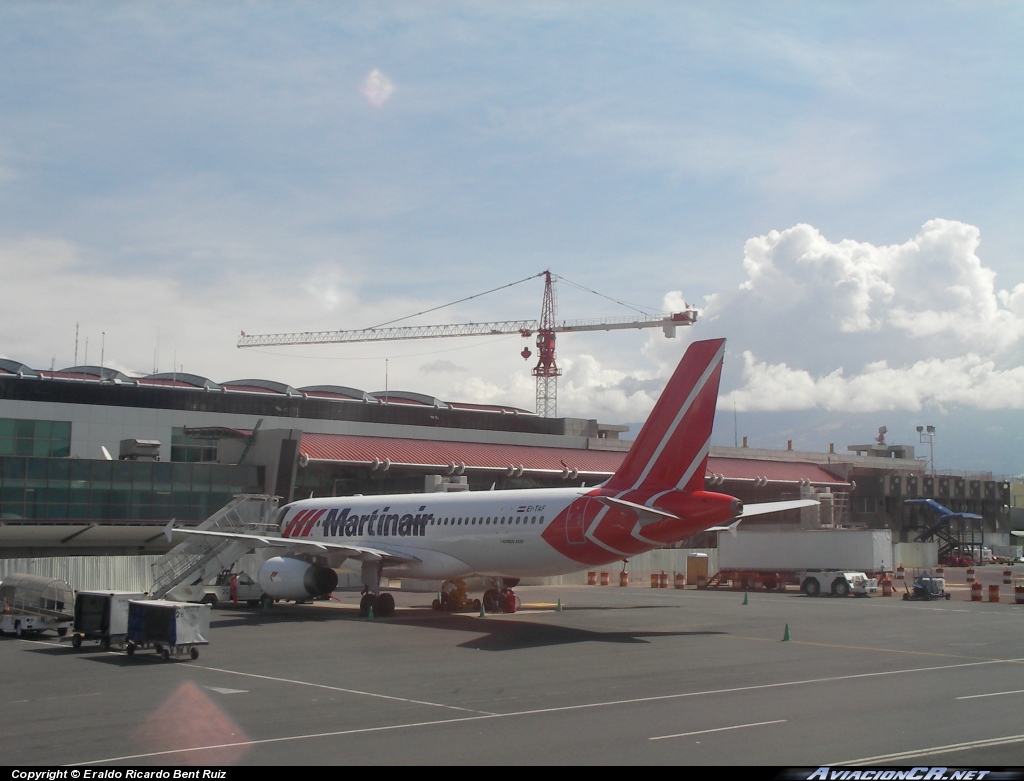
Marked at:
<point>382,604</point>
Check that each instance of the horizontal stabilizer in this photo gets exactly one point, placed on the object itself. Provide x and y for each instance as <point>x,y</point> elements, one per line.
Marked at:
<point>645,515</point>
<point>776,507</point>
<point>732,528</point>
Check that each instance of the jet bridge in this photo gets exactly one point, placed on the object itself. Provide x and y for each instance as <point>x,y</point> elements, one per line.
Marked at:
<point>199,559</point>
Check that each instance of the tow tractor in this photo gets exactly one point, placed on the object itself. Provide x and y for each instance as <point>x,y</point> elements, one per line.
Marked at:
<point>453,598</point>
<point>926,588</point>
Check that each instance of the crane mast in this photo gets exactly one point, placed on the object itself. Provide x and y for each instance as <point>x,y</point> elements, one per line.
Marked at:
<point>546,371</point>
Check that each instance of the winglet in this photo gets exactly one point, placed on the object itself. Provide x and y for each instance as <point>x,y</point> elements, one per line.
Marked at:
<point>169,530</point>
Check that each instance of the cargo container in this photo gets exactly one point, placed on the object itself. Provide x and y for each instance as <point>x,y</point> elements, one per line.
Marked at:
<point>836,561</point>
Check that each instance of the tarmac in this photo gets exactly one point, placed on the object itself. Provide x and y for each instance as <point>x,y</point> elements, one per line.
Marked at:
<point>580,675</point>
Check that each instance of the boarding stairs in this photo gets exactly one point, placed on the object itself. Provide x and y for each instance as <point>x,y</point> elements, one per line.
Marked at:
<point>200,559</point>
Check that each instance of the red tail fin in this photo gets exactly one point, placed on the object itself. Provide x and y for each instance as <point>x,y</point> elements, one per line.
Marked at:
<point>671,450</point>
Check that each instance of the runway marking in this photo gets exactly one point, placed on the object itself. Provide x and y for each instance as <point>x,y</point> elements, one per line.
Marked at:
<point>346,691</point>
<point>718,729</point>
<point>220,690</point>
<point>991,694</point>
<point>924,752</point>
<point>535,712</point>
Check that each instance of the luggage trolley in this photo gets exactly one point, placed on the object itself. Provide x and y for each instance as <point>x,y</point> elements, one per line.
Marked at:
<point>169,628</point>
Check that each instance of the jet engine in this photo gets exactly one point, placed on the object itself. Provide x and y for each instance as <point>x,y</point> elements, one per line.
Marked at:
<point>286,578</point>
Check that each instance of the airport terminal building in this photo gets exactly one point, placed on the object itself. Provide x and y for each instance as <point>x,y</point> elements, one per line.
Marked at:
<point>95,461</point>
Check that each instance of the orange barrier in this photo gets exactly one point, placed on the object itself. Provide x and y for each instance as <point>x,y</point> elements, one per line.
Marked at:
<point>591,578</point>
<point>975,592</point>
<point>1018,593</point>
<point>680,580</point>
<point>655,580</point>
<point>605,578</point>
<point>899,572</point>
<point>1007,577</point>
<point>886,587</point>
<point>939,571</point>
<point>664,579</point>
<point>993,593</point>
<point>970,574</point>
<point>623,578</point>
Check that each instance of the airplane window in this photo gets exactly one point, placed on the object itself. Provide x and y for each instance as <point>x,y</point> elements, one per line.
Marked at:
<point>533,519</point>
<point>518,519</point>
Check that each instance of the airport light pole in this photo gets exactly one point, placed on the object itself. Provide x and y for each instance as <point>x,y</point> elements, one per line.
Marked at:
<point>927,434</point>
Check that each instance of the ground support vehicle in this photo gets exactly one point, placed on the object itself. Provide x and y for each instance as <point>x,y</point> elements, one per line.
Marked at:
<point>34,603</point>
<point>102,616</point>
<point>453,598</point>
<point>169,628</point>
<point>926,588</point>
<point>758,559</point>
<point>838,584</point>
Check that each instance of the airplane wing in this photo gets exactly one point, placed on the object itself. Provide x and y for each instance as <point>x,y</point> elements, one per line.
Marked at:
<point>300,545</point>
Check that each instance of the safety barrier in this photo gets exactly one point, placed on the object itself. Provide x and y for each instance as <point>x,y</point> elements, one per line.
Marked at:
<point>993,593</point>
<point>605,578</point>
<point>886,587</point>
<point>975,592</point>
<point>1018,593</point>
<point>664,579</point>
<point>939,571</point>
<point>591,578</point>
<point>970,575</point>
<point>623,578</point>
<point>1007,577</point>
<point>655,580</point>
<point>899,572</point>
<point>680,580</point>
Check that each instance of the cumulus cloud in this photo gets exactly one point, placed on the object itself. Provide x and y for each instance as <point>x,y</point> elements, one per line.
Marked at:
<point>850,326</point>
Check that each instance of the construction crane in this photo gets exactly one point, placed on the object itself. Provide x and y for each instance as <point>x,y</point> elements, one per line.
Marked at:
<point>546,371</point>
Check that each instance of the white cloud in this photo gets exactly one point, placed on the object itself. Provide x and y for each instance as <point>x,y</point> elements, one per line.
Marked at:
<point>969,380</point>
<point>854,327</point>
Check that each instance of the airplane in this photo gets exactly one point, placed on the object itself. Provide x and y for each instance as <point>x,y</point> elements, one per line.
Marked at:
<point>655,498</point>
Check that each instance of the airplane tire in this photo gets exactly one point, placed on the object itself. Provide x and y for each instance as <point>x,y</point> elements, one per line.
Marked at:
<point>368,601</point>
<point>385,605</point>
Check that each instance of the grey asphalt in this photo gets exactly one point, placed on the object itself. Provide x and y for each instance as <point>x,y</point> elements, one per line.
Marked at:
<point>618,676</point>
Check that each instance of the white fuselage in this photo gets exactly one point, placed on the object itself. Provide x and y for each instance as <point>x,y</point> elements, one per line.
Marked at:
<point>451,535</point>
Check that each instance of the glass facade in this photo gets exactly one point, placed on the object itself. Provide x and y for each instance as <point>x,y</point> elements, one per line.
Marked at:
<point>62,489</point>
<point>45,438</point>
<point>192,449</point>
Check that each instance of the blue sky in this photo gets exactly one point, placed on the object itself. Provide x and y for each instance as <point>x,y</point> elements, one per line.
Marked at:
<point>836,186</point>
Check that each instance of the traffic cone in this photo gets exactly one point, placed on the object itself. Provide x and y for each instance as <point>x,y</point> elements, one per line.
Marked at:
<point>369,613</point>
<point>483,613</point>
<point>559,608</point>
<point>785,637</point>
<point>745,601</point>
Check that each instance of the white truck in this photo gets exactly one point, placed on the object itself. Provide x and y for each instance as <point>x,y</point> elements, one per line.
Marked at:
<point>227,588</point>
<point>827,561</point>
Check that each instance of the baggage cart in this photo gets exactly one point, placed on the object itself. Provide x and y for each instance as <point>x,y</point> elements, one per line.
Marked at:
<point>169,628</point>
<point>34,603</point>
<point>102,616</point>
